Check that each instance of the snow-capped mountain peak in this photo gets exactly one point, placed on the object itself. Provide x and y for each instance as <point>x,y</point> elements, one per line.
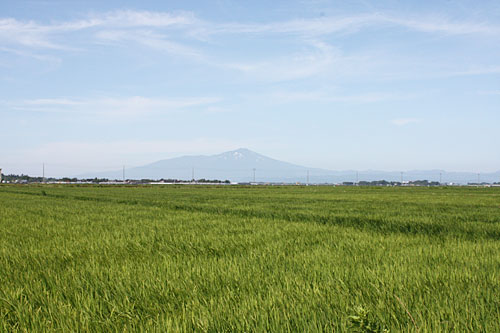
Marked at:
<point>238,154</point>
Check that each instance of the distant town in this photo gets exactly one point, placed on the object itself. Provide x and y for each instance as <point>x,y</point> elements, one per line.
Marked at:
<point>26,179</point>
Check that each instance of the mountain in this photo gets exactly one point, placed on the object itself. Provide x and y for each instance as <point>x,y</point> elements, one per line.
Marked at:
<point>238,166</point>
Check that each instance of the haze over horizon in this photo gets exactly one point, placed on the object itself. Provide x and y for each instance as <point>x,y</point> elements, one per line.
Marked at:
<point>244,165</point>
<point>90,85</point>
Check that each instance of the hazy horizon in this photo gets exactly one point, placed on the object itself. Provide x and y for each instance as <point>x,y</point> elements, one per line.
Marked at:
<point>92,85</point>
<point>48,168</point>
<point>238,165</point>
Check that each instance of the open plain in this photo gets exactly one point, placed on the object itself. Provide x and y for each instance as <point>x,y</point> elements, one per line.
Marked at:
<point>255,258</point>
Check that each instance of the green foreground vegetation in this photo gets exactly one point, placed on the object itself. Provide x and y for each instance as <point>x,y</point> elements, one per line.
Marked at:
<point>230,258</point>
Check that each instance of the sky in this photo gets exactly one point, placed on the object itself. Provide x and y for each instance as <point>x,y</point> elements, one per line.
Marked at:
<point>361,85</point>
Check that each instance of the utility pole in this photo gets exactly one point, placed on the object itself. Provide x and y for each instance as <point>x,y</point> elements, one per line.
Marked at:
<point>254,174</point>
<point>307,177</point>
<point>0,175</point>
<point>192,174</point>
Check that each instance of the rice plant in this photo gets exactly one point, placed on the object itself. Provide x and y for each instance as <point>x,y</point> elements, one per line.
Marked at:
<point>193,258</point>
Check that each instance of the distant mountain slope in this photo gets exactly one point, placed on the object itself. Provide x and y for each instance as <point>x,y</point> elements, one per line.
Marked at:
<point>238,165</point>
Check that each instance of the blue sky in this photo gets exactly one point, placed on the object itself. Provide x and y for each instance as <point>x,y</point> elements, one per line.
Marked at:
<point>387,85</point>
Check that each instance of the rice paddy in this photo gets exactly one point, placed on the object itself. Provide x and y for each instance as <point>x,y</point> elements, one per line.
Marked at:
<point>256,258</point>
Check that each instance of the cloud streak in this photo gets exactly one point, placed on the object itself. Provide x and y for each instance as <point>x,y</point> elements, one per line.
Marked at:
<point>353,23</point>
<point>37,35</point>
<point>184,35</point>
<point>490,92</point>
<point>405,121</point>
<point>128,106</point>
<point>148,39</point>
<point>318,59</point>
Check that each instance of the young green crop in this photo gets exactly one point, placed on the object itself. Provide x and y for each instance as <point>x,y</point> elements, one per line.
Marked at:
<point>230,258</point>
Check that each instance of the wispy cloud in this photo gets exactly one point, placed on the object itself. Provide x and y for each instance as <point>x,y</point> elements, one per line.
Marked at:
<point>38,35</point>
<point>28,34</point>
<point>489,92</point>
<point>185,35</point>
<point>216,110</point>
<point>405,121</point>
<point>148,39</point>
<point>128,106</point>
<point>445,25</point>
<point>477,70</point>
<point>51,102</point>
<point>317,59</point>
<point>353,23</point>
<point>332,96</point>
<point>29,54</point>
<point>130,18</point>
<point>310,27</point>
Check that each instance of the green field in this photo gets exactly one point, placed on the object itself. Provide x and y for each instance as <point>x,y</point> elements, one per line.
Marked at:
<point>228,258</point>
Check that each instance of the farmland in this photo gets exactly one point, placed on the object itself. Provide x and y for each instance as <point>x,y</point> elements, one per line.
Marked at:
<point>234,258</point>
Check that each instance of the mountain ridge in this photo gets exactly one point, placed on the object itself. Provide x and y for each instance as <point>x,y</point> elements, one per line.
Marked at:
<point>240,165</point>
